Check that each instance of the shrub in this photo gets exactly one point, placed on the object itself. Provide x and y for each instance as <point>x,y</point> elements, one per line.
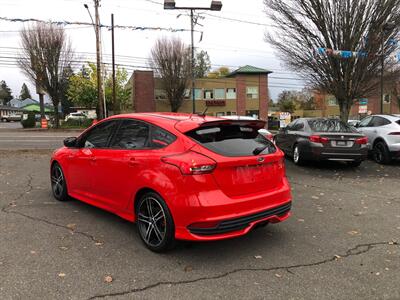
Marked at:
<point>77,123</point>
<point>30,121</point>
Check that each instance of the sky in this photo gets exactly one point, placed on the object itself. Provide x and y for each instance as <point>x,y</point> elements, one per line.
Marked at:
<point>232,37</point>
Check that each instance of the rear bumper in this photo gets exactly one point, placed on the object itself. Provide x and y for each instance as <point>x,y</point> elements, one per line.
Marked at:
<point>231,216</point>
<point>241,223</point>
<point>336,154</point>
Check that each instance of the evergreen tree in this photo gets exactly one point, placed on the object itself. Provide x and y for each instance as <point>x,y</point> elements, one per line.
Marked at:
<point>5,93</point>
<point>25,93</point>
<point>202,64</point>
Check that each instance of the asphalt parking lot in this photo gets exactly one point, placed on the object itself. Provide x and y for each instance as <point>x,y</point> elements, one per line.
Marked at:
<point>340,243</point>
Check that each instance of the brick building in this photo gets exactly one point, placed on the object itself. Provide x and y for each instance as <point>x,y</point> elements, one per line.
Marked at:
<point>328,105</point>
<point>242,92</point>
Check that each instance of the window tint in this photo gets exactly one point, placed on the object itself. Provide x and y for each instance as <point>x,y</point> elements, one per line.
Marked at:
<point>299,126</point>
<point>379,121</point>
<point>329,125</point>
<point>365,122</point>
<point>98,136</point>
<point>292,125</point>
<point>131,135</point>
<point>232,140</point>
<point>161,138</point>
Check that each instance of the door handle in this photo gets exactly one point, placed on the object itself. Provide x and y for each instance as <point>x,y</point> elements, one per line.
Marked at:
<point>133,162</point>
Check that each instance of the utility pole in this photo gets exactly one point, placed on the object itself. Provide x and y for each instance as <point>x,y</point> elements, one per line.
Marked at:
<point>101,102</point>
<point>192,61</point>
<point>116,106</point>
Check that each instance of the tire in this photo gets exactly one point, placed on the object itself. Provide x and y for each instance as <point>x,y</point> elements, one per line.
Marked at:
<point>155,224</point>
<point>58,183</point>
<point>381,153</point>
<point>297,156</point>
<point>354,164</point>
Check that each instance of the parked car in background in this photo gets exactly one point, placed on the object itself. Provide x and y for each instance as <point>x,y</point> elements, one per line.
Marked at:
<point>11,118</point>
<point>262,131</point>
<point>76,116</point>
<point>179,176</point>
<point>383,132</point>
<point>318,139</point>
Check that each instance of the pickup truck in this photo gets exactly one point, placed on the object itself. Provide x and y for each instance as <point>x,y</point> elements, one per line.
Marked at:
<point>11,118</point>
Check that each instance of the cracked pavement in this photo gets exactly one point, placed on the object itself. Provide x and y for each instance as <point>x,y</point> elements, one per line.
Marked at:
<point>342,242</point>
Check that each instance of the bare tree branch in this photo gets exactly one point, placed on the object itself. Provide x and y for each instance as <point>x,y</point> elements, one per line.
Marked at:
<point>170,58</point>
<point>352,25</point>
<point>46,58</point>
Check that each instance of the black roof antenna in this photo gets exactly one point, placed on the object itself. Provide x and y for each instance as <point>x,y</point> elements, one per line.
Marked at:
<point>203,114</point>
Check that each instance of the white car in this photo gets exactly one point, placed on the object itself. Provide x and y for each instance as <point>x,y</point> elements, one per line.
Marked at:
<point>76,116</point>
<point>383,132</point>
<point>262,131</point>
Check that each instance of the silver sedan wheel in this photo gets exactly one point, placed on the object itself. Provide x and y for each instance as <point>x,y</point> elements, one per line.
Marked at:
<point>152,221</point>
<point>296,154</point>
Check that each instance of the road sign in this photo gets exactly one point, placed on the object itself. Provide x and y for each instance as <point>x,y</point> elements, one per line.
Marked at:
<point>363,109</point>
<point>363,101</point>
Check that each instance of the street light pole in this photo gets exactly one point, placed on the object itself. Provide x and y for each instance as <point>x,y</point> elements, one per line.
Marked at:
<point>215,6</point>
<point>382,69</point>
<point>387,28</point>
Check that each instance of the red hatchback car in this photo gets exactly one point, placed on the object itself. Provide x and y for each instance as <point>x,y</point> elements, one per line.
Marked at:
<point>179,176</point>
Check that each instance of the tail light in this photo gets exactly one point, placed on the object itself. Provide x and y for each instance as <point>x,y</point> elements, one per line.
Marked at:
<point>191,163</point>
<point>319,139</point>
<point>362,141</point>
<point>394,133</point>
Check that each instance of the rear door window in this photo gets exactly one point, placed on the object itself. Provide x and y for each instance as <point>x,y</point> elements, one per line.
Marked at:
<point>323,125</point>
<point>379,121</point>
<point>232,140</point>
<point>131,134</point>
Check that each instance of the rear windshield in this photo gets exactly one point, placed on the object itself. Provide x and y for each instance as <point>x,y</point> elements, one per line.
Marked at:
<point>232,140</point>
<point>321,125</point>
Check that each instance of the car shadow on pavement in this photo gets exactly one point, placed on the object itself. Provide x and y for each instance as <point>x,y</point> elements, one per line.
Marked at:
<point>110,228</point>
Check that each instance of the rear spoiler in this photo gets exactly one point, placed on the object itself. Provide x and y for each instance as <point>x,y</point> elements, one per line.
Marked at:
<point>188,125</point>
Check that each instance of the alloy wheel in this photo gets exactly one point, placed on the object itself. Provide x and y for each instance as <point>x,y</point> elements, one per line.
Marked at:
<point>152,221</point>
<point>378,153</point>
<point>296,155</point>
<point>57,181</point>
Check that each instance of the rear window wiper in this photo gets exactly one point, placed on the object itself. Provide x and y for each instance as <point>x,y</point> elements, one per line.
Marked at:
<point>259,149</point>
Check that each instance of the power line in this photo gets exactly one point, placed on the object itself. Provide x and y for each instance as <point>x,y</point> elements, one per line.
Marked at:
<point>67,23</point>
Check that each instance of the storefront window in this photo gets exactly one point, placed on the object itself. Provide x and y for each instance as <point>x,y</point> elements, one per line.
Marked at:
<point>231,93</point>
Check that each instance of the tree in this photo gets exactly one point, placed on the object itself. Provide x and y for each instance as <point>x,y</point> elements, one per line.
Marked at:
<point>202,64</point>
<point>170,58</point>
<point>25,93</point>
<point>218,73</point>
<point>122,94</point>
<point>5,93</point>
<point>46,54</point>
<point>82,88</point>
<point>307,27</point>
<point>66,104</point>
<point>287,101</point>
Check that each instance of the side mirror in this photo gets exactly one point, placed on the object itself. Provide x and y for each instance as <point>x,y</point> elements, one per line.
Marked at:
<point>70,142</point>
